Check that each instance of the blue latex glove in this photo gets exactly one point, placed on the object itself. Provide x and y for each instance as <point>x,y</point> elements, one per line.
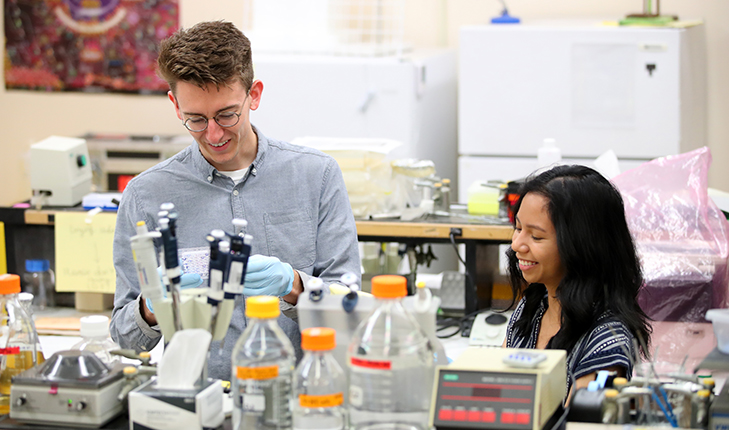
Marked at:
<point>268,276</point>
<point>187,280</point>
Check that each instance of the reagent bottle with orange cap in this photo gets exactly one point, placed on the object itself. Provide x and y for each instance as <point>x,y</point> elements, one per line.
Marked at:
<point>19,346</point>
<point>390,364</point>
<point>319,383</point>
<point>262,370</point>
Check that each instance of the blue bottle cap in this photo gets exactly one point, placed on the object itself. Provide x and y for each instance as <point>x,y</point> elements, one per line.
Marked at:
<point>37,265</point>
<point>505,18</point>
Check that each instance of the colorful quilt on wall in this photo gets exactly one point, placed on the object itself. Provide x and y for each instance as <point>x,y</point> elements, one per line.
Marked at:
<point>86,45</point>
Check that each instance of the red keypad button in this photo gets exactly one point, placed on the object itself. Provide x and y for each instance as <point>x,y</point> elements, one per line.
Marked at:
<point>445,414</point>
<point>508,417</point>
<point>460,415</point>
<point>488,416</point>
<point>522,418</point>
<point>474,416</point>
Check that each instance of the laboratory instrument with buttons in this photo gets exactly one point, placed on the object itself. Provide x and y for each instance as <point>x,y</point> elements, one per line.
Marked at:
<point>486,389</point>
<point>489,328</point>
<point>60,173</point>
<point>72,388</point>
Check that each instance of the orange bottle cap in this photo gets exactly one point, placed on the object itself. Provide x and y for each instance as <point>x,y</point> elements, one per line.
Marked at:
<point>9,284</point>
<point>318,339</point>
<point>262,307</point>
<point>389,286</point>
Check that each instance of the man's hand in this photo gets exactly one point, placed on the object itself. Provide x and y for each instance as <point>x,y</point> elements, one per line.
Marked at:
<point>268,276</point>
<point>187,280</point>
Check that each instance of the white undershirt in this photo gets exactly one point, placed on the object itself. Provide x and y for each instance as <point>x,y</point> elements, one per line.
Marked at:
<point>235,175</point>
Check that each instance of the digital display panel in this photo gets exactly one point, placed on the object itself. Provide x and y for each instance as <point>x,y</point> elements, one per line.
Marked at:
<point>486,392</point>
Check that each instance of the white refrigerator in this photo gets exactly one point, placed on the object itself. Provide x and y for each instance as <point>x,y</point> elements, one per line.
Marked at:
<point>411,99</point>
<point>638,91</point>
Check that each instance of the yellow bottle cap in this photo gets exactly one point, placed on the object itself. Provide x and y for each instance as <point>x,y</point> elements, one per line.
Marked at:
<point>389,286</point>
<point>130,370</point>
<point>145,354</point>
<point>262,307</point>
<point>619,382</point>
<point>318,339</point>
<point>611,393</point>
<point>9,284</point>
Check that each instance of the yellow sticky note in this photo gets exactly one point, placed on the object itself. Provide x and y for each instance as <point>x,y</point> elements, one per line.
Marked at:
<point>3,255</point>
<point>84,258</point>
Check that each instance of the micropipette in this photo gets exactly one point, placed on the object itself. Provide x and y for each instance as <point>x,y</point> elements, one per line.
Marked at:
<point>349,301</point>
<point>217,266</point>
<point>171,214</point>
<point>240,250</point>
<point>145,260</point>
<point>172,268</point>
<point>315,287</point>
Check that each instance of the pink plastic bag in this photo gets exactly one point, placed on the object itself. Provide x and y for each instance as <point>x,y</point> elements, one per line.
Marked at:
<point>681,236</point>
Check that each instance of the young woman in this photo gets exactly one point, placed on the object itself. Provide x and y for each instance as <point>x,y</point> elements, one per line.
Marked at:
<point>574,269</point>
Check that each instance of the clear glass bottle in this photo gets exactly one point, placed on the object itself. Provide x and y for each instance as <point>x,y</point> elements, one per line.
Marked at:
<point>40,281</point>
<point>95,333</point>
<point>446,193</point>
<point>19,346</point>
<point>390,363</point>
<point>319,383</point>
<point>262,370</point>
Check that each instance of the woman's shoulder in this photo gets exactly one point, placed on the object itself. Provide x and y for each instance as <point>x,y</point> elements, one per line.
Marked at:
<point>609,332</point>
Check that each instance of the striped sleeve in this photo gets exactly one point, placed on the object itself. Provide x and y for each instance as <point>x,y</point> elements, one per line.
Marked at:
<point>610,344</point>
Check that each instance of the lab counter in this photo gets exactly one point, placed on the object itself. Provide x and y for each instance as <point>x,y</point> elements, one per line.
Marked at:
<point>29,234</point>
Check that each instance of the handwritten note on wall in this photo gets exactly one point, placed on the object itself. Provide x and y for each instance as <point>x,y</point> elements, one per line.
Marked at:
<point>84,260</point>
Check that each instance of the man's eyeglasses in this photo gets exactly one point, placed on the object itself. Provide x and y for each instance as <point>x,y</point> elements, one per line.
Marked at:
<point>198,123</point>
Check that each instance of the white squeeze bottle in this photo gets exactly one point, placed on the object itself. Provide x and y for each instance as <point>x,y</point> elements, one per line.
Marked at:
<point>549,154</point>
<point>95,333</point>
<point>390,364</point>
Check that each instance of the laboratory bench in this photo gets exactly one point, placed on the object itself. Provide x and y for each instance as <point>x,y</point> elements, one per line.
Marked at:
<point>479,237</point>
<point>673,339</point>
<point>29,234</point>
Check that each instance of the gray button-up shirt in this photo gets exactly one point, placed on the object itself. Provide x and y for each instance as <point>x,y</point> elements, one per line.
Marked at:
<point>297,209</point>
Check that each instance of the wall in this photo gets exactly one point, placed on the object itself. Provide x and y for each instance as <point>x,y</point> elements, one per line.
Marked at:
<point>27,117</point>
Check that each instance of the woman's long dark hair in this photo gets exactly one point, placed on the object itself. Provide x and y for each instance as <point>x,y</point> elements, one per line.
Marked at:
<point>602,270</point>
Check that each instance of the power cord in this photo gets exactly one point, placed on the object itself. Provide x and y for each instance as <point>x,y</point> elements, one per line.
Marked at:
<point>460,323</point>
<point>455,232</point>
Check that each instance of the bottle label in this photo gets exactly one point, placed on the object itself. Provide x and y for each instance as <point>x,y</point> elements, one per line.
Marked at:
<point>11,350</point>
<point>254,402</point>
<point>356,396</point>
<point>322,401</point>
<point>257,373</point>
<point>371,364</point>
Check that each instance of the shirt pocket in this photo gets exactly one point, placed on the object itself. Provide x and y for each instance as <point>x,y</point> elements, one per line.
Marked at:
<point>291,237</point>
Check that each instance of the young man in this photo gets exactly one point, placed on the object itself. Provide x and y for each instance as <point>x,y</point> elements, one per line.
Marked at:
<point>293,198</point>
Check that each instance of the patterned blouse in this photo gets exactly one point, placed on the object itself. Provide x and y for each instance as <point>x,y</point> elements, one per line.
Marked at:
<point>608,344</point>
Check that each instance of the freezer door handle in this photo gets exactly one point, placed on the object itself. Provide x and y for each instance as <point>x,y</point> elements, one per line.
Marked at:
<point>367,100</point>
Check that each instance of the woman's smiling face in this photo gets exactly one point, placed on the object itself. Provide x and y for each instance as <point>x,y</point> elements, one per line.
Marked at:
<point>535,243</point>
